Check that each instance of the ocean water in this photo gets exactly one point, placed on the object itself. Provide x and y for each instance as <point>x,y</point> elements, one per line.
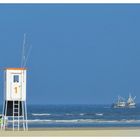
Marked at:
<point>82,116</point>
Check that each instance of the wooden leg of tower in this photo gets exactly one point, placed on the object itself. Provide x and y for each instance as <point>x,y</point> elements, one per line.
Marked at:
<point>4,106</point>
<point>2,115</point>
<point>5,114</point>
<point>26,116</point>
<point>18,114</point>
<point>13,115</point>
<point>23,115</point>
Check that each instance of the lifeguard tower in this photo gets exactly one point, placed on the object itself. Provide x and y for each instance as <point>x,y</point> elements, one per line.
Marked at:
<point>14,106</point>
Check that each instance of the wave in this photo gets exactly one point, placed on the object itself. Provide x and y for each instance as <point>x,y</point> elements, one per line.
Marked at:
<point>67,114</point>
<point>82,114</point>
<point>99,114</point>
<point>51,121</point>
<point>42,114</point>
<point>83,121</point>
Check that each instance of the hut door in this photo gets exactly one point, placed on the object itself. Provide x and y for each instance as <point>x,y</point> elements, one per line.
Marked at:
<point>16,87</point>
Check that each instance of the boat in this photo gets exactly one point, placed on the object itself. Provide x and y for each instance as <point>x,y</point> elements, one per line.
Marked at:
<point>130,102</point>
<point>121,103</point>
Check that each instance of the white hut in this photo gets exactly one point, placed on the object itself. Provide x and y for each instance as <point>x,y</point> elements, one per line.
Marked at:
<point>14,107</point>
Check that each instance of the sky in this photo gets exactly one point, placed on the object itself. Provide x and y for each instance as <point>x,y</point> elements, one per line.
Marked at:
<point>81,53</point>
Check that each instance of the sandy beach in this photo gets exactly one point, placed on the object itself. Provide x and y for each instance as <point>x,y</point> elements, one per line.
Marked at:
<point>74,132</point>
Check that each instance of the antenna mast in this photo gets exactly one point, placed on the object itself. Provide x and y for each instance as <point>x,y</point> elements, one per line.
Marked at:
<point>28,53</point>
<point>25,58</point>
<point>23,51</point>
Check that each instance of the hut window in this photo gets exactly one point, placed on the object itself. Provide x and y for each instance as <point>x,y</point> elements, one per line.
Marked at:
<point>16,78</point>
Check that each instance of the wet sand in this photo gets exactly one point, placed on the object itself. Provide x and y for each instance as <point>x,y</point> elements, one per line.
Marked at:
<point>74,132</point>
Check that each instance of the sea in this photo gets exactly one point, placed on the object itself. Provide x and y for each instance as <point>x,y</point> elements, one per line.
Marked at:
<point>74,116</point>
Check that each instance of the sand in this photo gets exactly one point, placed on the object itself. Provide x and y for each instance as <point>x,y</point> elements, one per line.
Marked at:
<point>74,132</point>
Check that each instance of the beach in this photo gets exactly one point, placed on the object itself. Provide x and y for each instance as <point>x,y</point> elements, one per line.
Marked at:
<point>74,132</point>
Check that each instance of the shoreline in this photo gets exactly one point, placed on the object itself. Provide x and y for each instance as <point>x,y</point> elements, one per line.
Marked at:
<point>74,132</point>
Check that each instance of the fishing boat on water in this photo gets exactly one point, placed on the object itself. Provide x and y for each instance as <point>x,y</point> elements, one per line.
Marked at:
<point>131,102</point>
<point>121,103</point>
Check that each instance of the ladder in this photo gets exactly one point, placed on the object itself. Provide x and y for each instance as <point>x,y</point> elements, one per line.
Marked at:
<point>18,116</point>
